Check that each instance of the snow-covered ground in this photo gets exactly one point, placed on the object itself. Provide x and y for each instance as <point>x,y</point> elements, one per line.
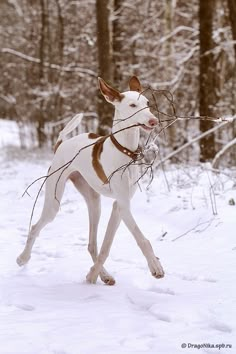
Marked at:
<point>47,307</point>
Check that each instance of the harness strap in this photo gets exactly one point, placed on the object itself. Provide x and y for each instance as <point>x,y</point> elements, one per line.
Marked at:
<point>98,148</point>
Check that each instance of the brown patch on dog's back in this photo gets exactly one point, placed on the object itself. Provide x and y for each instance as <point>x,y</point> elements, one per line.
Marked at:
<point>90,136</point>
<point>96,153</point>
<point>57,145</point>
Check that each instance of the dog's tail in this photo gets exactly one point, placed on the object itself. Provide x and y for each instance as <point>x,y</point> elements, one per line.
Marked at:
<point>70,126</point>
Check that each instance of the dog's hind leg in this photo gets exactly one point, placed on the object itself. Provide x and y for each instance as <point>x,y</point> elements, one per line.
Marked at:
<point>93,201</point>
<point>53,194</point>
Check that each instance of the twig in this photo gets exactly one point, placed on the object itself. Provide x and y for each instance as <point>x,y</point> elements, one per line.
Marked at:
<point>51,66</point>
<point>177,151</point>
<point>212,196</point>
<point>209,222</point>
<point>223,151</point>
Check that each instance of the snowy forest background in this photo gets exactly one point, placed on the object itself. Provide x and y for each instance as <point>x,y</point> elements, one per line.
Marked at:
<point>52,52</point>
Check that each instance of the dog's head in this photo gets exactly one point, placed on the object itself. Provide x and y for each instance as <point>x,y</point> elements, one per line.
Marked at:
<point>131,105</point>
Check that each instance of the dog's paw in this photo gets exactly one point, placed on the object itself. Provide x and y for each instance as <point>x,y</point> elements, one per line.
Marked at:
<point>22,259</point>
<point>108,279</point>
<point>104,275</point>
<point>92,276</point>
<point>91,279</point>
<point>156,268</point>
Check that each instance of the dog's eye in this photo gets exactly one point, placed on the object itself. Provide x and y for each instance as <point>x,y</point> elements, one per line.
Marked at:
<point>133,105</point>
<point>148,103</point>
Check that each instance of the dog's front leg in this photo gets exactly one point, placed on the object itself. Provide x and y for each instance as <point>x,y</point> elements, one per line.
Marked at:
<point>123,199</point>
<point>112,226</point>
<point>144,244</point>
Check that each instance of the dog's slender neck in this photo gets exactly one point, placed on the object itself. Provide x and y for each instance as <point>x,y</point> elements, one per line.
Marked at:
<point>129,137</point>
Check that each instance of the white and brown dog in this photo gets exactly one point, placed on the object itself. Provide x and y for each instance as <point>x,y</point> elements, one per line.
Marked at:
<point>92,160</point>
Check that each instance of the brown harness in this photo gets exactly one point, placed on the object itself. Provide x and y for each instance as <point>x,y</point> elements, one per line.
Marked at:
<point>98,148</point>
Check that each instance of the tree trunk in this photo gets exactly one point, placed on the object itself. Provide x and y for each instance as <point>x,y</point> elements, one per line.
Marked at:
<point>58,99</point>
<point>168,50</point>
<point>105,62</point>
<point>40,118</point>
<point>206,77</point>
<point>117,43</point>
<point>232,14</point>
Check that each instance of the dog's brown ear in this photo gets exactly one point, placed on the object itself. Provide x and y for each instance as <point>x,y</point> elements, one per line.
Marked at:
<point>134,84</point>
<point>108,92</point>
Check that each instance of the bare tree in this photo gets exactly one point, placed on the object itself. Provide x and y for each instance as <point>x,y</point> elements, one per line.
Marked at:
<point>232,16</point>
<point>206,77</point>
<point>168,50</point>
<point>117,42</point>
<point>51,56</point>
<point>40,113</point>
<point>105,60</point>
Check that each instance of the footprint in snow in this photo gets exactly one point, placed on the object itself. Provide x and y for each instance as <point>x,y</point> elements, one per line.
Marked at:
<point>22,229</point>
<point>220,326</point>
<point>200,278</point>
<point>189,277</point>
<point>80,244</point>
<point>69,211</point>
<point>161,317</point>
<point>195,278</point>
<point>48,254</point>
<point>24,307</point>
<point>210,280</point>
<point>162,291</point>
